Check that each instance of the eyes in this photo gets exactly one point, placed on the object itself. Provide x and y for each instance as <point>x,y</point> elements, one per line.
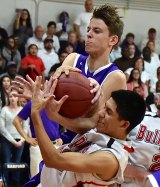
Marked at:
<point>95,30</point>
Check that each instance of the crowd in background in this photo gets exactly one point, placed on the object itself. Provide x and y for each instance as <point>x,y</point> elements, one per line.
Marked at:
<point>40,51</point>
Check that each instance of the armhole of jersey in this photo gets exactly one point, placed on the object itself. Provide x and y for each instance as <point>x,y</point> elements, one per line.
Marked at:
<point>75,61</point>
<point>109,74</point>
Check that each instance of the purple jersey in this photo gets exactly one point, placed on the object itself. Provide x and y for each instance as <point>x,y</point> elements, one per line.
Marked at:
<point>100,74</point>
<point>51,127</point>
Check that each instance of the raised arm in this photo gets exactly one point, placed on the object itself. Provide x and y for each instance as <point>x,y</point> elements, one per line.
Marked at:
<point>92,163</point>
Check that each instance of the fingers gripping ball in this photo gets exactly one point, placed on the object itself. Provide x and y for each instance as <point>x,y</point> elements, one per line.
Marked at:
<point>77,87</point>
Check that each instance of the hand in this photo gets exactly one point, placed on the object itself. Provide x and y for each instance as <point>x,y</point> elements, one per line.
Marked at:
<point>31,141</point>
<point>64,69</point>
<point>32,66</point>
<point>24,87</point>
<point>96,90</point>
<point>19,143</point>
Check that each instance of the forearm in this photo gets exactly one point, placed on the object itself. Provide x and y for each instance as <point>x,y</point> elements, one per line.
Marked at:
<point>48,151</point>
<point>79,125</point>
<point>18,125</point>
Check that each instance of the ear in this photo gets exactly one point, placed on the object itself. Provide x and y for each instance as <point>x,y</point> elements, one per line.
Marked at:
<point>125,125</point>
<point>113,40</point>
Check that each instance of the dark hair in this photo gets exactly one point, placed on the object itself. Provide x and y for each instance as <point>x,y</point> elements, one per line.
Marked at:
<point>130,79</point>
<point>109,15</point>
<point>152,30</point>
<point>28,21</point>
<point>130,106</point>
<point>13,38</point>
<point>130,35</point>
<point>2,91</point>
<point>157,84</point>
<point>51,23</point>
<point>146,54</point>
<point>31,46</point>
<point>135,60</point>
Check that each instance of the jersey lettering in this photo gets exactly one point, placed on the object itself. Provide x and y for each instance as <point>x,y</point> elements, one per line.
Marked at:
<point>148,136</point>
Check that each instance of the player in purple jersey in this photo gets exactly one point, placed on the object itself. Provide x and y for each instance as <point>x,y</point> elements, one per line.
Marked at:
<point>104,31</point>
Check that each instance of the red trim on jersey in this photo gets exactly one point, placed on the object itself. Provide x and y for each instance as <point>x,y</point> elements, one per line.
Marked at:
<point>129,149</point>
<point>91,182</point>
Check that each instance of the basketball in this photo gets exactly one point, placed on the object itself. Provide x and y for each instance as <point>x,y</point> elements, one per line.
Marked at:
<point>77,87</point>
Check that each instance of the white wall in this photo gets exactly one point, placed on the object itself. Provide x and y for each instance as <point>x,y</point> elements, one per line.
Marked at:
<point>136,21</point>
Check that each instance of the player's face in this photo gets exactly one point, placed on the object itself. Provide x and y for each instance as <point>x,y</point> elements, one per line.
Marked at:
<point>98,39</point>
<point>109,121</point>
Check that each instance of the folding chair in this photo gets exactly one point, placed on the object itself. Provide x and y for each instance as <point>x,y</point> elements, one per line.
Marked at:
<point>13,167</point>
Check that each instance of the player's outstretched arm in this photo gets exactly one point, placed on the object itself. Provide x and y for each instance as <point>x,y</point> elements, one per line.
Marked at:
<point>92,163</point>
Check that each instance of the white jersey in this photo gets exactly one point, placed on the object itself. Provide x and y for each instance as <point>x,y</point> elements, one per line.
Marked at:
<point>88,143</point>
<point>146,143</point>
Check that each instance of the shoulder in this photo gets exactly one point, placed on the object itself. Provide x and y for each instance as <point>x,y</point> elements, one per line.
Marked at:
<point>70,59</point>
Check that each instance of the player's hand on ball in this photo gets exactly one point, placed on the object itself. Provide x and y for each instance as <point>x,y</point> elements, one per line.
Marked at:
<point>96,90</point>
<point>64,69</point>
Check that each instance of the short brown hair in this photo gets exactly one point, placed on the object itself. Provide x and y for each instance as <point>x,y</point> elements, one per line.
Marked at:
<point>109,15</point>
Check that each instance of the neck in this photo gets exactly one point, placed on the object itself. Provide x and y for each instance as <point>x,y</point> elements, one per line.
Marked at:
<point>95,61</point>
<point>13,105</point>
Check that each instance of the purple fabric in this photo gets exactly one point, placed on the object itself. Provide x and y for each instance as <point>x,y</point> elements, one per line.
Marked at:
<point>100,76</point>
<point>156,175</point>
<point>34,181</point>
<point>51,127</point>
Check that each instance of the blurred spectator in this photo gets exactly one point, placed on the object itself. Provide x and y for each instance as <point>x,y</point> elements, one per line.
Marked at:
<point>53,69</point>
<point>153,82</point>
<point>12,142</point>
<point>11,70</point>
<point>135,81</point>
<point>10,52</point>
<point>37,38</point>
<point>129,39</point>
<point>152,33</point>
<point>23,29</point>
<point>62,56</point>
<point>131,51</point>
<point>2,65</point>
<point>146,53</point>
<point>82,21</point>
<point>3,37</point>
<point>155,62</point>
<point>5,88</point>
<point>138,90</point>
<point>32,64</point>
<point>79,47</point>
<point>48,55</point>
<point>69,48</point>
<point>124,62</point>
<point>63,27</point>
<point>139,64</point>
<point>158,86</point>
<point>156,102</point>
<point>115,53</point>
<point>51,31</point>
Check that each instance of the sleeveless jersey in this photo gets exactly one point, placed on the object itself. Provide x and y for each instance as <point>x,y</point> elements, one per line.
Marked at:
<point>146,142</point>
<point>100,74</point>
<point>90,142</point>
